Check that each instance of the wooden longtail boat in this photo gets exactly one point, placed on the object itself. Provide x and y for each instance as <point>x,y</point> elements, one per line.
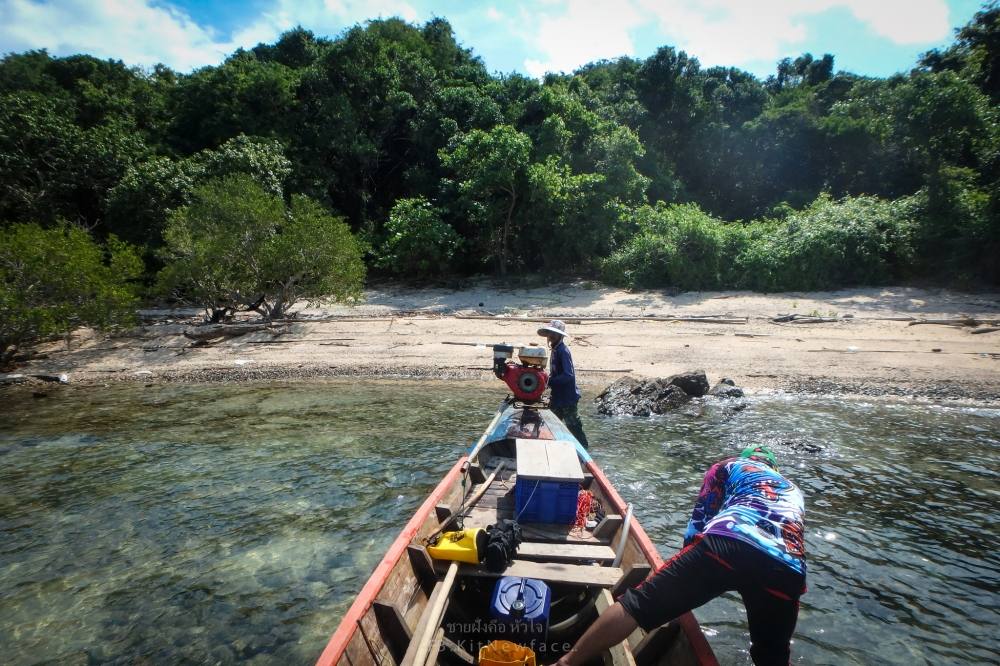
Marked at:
<point>415,610</point>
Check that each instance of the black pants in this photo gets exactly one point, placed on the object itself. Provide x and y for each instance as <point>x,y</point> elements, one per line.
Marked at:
<point>569,415</point>
<point>714,565</point>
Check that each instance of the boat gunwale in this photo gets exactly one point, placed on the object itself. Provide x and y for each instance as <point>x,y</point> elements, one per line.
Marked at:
<point>688,622</point>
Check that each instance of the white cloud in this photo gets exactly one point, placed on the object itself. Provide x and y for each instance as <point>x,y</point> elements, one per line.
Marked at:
<point>140,32</point>
<point>904,21</point>
<point>721,32</point>
<point>718,32</point>
<point>585,32</point>
<point>732,32</point>
<point>135,32</point>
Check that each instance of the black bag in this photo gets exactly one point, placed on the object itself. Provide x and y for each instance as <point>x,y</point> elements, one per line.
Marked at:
<point>504,538</point>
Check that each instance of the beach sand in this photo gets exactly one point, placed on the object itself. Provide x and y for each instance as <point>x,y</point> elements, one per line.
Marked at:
<point>400,332</point>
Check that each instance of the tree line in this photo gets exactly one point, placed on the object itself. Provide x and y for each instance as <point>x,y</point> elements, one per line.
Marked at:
<point>653,172</point>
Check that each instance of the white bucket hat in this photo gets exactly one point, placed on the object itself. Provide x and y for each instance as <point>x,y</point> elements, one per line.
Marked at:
<point>554,326</point>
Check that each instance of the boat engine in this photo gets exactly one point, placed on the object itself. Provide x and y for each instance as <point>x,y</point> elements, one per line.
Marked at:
<point>527,377</point>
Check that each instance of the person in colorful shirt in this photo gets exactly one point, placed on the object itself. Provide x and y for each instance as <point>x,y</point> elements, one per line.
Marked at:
<point>745,534</point>
<point>562,380</point>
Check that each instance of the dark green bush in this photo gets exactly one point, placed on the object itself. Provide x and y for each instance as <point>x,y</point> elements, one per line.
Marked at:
<point>418,243</point>
<point>862,240</point>
<point>677,246</point>
<point>53,280</point>
<point>830,244</point>
<point>237,246</point>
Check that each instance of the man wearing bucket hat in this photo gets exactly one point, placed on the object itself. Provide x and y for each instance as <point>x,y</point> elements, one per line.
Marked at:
<point>562,380</point>
<point>745,534</point>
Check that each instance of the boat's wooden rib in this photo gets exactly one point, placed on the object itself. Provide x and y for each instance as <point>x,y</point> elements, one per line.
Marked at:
<point>393,610</point>
<point>619,655</point>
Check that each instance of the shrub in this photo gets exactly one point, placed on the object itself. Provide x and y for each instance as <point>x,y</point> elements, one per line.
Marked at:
<point>862,240</point>
<point>830,244</point>
<point>677,246</point>
<point>418,243</point>
<point>53,280</point>
<point>957,237</point>
<point>238,247</point>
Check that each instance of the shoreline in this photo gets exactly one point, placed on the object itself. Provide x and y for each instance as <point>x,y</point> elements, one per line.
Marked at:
<point>865,346</point>
<point>944,393</point>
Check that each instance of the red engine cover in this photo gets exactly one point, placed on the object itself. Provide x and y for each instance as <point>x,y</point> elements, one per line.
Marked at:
<point>528,384</point>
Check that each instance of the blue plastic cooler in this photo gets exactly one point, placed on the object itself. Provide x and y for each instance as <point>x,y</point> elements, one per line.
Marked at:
<point>548,481</point>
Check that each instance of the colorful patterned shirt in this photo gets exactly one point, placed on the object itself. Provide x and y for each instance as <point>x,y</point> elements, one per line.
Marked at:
<point>747,500</point>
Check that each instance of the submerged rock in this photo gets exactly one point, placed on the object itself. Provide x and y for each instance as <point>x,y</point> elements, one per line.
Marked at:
<point>631,396</point>
<point>726,388</point>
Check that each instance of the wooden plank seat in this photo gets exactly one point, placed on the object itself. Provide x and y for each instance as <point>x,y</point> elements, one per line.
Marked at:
<point>553,572</point>
<point>552,533</point>
<point>565,552</point>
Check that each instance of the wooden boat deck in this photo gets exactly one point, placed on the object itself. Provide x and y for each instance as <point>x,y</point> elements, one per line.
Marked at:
<point>498,503</point>
<point>391,619</point>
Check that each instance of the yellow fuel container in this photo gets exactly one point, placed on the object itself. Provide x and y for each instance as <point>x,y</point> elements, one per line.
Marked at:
<point>461,546</point>
<point>505,653</point>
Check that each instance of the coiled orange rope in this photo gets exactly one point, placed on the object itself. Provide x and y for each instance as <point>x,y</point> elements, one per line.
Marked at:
<point>584,502</point>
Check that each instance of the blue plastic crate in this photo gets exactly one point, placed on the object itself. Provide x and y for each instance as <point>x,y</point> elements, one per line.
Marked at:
<point>539,501</point>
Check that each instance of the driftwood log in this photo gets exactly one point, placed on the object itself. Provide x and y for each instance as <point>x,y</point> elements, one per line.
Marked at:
<point>964,321</point>
<point>213,331</point>
<point>803,319</point>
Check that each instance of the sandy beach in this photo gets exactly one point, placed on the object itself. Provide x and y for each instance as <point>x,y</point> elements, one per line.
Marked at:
<point>872,347</point>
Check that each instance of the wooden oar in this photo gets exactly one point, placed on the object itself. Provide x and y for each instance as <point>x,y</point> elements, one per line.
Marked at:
<point>432,618</point>
<point>469,502</point>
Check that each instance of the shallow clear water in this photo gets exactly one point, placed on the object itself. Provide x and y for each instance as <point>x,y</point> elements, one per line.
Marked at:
<point>222,523</point>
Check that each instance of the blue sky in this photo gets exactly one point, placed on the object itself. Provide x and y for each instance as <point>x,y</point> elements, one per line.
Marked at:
<point>873,37</point>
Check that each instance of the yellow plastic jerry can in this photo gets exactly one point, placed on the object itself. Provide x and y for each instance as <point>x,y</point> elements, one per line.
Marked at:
<point>461,546</point>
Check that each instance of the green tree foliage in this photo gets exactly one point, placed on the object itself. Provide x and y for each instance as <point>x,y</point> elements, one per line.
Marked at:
<point>491,173</point>
<point>417,242</point>
<point>976,52</point>
<point>54,280</point>
<point>139,205</point>
<point>236,246</point>
<point>244,95</point>
<point>50,167</point>
<point>552,174</point>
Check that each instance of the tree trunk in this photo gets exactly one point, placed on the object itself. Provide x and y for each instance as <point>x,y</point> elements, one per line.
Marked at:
<point>7,352</point>
<point>506,234</point>
<point>210,332</point>
<point>217,315</point>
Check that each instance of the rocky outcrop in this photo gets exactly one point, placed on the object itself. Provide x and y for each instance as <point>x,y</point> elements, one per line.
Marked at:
<point>637,397</point>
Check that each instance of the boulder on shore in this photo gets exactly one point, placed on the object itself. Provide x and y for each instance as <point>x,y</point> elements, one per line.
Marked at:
<point>638,397</point>
<point>694,382</point>
<point>635,397</point>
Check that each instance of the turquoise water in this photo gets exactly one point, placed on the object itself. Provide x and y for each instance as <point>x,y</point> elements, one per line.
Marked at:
<point>224,523</point>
